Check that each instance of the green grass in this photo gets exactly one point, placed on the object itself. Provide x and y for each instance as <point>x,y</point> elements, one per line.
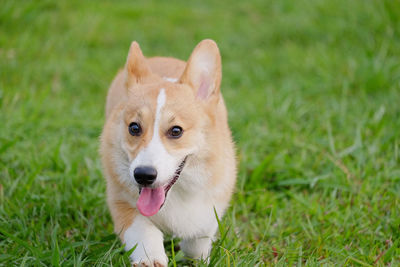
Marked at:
<point>313,92</point>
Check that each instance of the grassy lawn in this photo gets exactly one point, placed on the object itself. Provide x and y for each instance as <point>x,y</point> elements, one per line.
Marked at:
<point>313,91</point>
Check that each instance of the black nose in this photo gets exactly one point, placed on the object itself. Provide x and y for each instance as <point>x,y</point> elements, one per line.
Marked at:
<point>145,175</point>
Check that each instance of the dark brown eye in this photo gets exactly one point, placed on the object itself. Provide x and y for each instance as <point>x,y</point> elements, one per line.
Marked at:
<point>175,132</point>
<point>135,129</point>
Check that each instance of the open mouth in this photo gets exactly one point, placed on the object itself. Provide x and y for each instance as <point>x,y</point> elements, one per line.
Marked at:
<point>152,199</point>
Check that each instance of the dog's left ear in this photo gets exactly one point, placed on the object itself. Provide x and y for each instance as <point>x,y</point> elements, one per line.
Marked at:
<point>137,69</point>
<point>203,70</point>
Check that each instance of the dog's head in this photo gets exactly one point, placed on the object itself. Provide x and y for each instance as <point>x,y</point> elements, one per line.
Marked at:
<point>162,124</point>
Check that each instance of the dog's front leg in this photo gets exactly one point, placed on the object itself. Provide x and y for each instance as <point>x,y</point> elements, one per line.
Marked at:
<point>197,248</point>
<point>148,240</point>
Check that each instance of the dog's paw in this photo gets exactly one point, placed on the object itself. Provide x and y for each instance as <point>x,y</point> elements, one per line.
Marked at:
<point>152,257</point>
<point>147,263</point>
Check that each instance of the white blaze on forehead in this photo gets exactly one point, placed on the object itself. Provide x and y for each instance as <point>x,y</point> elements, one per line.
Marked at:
<point>155,154</point>
<point>160,103</point>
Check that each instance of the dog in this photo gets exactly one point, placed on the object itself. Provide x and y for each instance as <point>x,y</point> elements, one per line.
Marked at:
<point>167,153</point>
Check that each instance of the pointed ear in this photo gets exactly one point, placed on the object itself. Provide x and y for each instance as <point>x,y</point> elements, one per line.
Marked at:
<point>136,66</point>
<point>203,70</point>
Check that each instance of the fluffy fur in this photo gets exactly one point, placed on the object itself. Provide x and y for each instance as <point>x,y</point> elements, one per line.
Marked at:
<point>161,93</point>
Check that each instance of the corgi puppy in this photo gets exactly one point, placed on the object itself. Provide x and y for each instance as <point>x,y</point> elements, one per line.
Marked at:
<point>167,153</point>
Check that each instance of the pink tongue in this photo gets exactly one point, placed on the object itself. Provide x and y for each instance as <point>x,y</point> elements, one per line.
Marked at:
<point>150,200</point>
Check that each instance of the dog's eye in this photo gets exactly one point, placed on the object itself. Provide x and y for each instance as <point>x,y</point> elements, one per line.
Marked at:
<point>135,129</point>
<point>175,132</point>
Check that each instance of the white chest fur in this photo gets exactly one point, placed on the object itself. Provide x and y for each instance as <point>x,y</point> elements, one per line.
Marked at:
<point>187,215</point>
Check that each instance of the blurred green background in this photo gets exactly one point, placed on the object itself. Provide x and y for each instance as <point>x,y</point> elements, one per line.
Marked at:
<point>312,89</point>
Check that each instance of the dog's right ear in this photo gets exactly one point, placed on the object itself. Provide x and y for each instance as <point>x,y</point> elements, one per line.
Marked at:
<point>137,69</point>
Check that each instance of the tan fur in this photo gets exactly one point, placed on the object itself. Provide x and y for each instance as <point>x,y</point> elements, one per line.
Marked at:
<point>163,67</point>
<point>167,66</point>
<point>123,214</point>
